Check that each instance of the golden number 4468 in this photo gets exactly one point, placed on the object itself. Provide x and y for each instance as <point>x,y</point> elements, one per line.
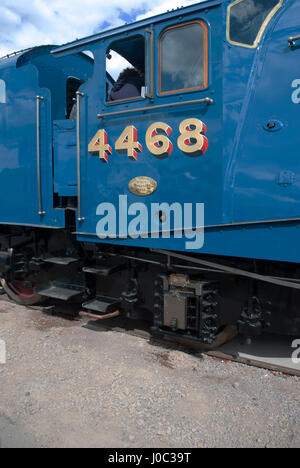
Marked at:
<point>192,141</point>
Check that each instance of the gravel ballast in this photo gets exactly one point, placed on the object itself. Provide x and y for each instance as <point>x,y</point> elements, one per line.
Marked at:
<point>68,386</point>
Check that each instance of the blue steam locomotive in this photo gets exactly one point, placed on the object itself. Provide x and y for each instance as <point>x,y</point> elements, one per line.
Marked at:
<point>176,199</point>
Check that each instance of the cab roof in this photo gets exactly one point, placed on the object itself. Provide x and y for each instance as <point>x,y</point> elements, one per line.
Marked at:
<point>81,43</point>
<point>21,57</point>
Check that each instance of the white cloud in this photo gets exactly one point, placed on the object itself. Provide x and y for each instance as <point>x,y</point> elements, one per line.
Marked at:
<point>166,5</point>
<point>26,23</point>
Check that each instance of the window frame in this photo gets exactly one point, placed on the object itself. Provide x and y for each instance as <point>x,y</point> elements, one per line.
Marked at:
<point>205,58</point>
<point>132,99</point>
<point>260,32</point>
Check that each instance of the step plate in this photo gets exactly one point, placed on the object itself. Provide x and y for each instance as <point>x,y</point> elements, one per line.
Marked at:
<point>59,291</point>
<point>103,305</point>
<point>103,270</point>
<point>61,260</point>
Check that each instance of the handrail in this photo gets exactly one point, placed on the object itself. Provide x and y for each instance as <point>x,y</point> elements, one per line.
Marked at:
<point>292,40</point>
<point>14,54</point>
<point>39,99</point>
<point>79,95</point>
<point>206,100</point>
<point>150,95</point>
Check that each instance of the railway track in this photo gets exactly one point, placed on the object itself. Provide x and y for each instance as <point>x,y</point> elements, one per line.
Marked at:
<point>268,351</point>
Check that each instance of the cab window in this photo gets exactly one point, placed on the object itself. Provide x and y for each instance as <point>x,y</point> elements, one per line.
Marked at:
<point>247,20</point>
<point>73,85</point>
<point>2,92</point>
<point>183,58</point>
<point>125,64</point>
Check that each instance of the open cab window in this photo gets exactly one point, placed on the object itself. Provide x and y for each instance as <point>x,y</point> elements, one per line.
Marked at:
<point>125,64</point>
<point>248,19</point>
<point>73,85</point>
<point>183,58</point>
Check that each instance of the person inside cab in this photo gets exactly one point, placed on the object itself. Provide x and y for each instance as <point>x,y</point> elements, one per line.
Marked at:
<point>128,85</point>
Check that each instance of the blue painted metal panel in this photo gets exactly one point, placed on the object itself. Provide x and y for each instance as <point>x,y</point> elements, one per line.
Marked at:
<point>179,177</point>
<point>267,242</point>
<point>65,165</point>
<point>263,176</point>
<point>18,149</point>
<point>243,177</point>
<point>249,173</point>
<point>27,75</point>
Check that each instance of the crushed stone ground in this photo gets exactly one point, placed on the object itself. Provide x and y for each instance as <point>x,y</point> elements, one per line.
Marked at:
<point>68,386</point>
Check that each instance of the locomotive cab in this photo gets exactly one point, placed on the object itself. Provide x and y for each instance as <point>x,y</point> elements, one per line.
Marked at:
<point>188,135</point>
<point>33,82</point>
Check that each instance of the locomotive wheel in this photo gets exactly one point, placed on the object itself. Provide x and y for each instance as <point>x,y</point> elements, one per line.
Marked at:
<point>20,294</point>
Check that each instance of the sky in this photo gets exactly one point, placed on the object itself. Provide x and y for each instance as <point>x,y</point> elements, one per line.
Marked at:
<point>27,23</point>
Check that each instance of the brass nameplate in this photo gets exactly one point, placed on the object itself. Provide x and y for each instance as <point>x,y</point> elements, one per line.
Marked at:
<point>143,186</point>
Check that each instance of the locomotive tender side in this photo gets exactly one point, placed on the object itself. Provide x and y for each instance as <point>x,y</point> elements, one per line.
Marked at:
<point>215,128</point>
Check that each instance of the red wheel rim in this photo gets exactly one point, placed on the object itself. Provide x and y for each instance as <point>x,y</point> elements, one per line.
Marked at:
<point>21,291</point>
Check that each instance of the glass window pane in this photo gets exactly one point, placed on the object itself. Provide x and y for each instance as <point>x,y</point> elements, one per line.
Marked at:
<point>182,58</point>
<point>246,19</point>
<point>2,92</point>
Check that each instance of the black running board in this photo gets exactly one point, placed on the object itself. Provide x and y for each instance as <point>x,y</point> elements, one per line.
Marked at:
<point>61,291</point>
<point>63,261</point>
<point>102,305</point>
<point>104,270</point>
